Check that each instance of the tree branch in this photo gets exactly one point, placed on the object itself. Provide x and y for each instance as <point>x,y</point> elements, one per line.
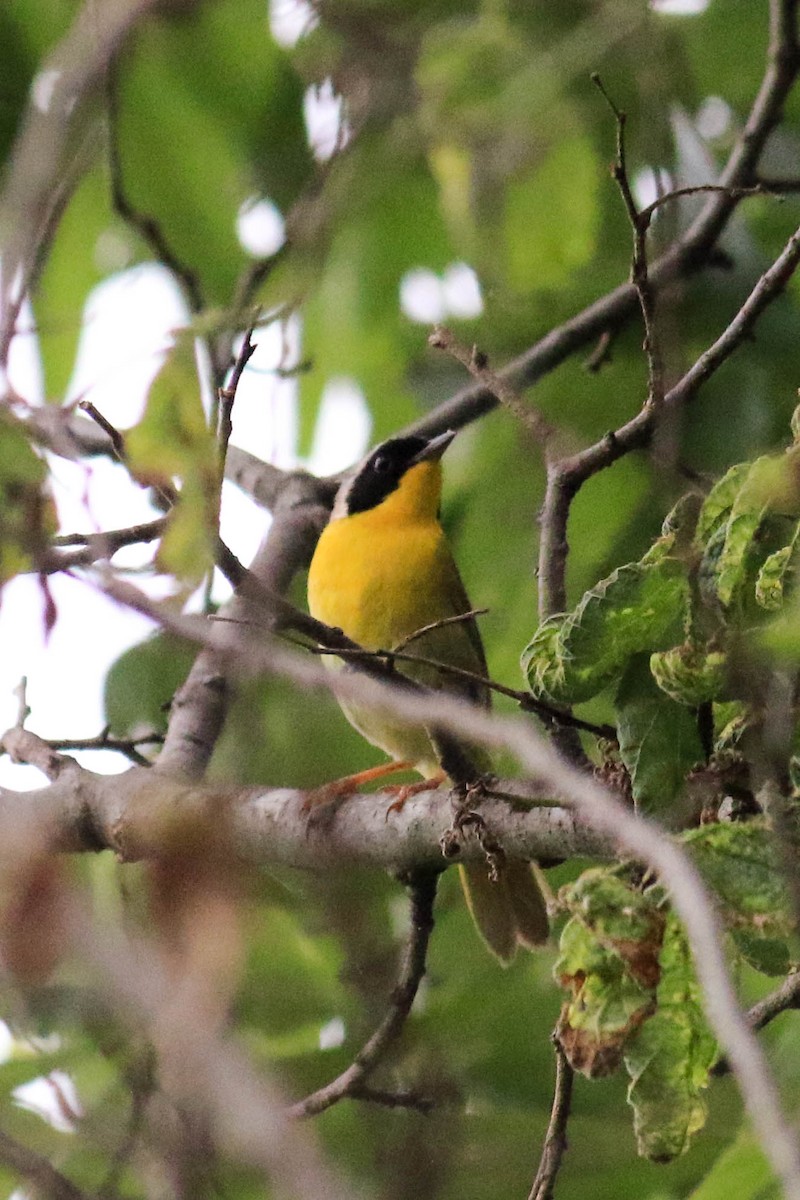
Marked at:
<point>555,1142</point>
<point>422,893</point>
<point>785,997</point>
<point>37,1171</point>
<point>130,814</point>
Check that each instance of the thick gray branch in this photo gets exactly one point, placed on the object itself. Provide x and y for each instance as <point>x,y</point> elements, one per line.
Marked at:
<point>138,813</point>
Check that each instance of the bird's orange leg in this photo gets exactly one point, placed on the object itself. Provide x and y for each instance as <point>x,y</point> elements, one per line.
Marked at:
<point>404,791</point>
<point>339,788</point>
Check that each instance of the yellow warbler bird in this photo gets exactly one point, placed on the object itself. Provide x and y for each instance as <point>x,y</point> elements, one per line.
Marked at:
<point>382,571</point>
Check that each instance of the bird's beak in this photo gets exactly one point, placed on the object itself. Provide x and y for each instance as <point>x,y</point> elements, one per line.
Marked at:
<point>434,449</point>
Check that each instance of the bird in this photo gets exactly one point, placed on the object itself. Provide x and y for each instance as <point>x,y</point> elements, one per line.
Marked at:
<point>384,574</point>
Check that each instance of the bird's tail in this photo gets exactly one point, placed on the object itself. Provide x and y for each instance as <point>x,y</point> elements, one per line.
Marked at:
<point>507,911</point>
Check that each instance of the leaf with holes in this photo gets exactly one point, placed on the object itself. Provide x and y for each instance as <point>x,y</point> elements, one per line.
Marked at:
<point>640,607</point>
<point>608,961</point>
<point>670,1056</point>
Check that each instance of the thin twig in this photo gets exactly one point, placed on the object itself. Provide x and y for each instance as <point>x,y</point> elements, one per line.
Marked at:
<point>147,531</point>
<point>785,997</point>
<point>254,274</point>
<point>23,708</point>
<point>768,288</point>
<point>227,396</point>
<point>422,891</point>
<point>115,437</point>
<point>163,493</point>
<point>601,354</point>
<point>640,223</point>
<point>104,741</point>
<point>96,546</point>
<point>35,1169</point>
<point>440,624</point>
<point>555,1142</point>
<point>778,186</point>
<point>528,703</point>
<point>477,363</point>
<point>704,189</point>
<point>222,416</point>
<point>405,1098</point>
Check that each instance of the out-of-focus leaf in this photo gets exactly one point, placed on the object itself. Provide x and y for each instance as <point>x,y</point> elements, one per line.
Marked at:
<point>669,1058</point>
<point>463,74</point>
<point>72,269</point>
<point>141,684</point>
<point>658,739</point>
<point>608,960</point>
<point>719,500</point>
<point>739,861</point>
<point>27,517</point>
<point>640,607</point>
<point>557,200</point>
<point>769,486</point>
<point>778,571</point>
<point>690,674</point>
<point>172,441</point>
<point>741,1171</point>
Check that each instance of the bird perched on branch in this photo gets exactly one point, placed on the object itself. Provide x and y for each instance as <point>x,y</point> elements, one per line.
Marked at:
<point>382,572</point>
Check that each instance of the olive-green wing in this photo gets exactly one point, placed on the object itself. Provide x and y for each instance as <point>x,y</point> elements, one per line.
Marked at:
<point>458,602</point>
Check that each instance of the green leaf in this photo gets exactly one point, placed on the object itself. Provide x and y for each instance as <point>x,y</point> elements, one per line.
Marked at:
<point>211,113</point>
<point>172,441</point>
<point>777,571</point>
<point>740,863</point>
<point>70,272</point>
<point>741,1171</point>
<point>719,501</point>
<point>27,517</point>
<point>142,682</point>
<point>557,198</point>
<point>658,739</point>
<point>769,486</point>
<point>690,674</point>
<point>768,955</point>
<point>608,960</point>
<point>669,1058</point>
<point>640,607</point>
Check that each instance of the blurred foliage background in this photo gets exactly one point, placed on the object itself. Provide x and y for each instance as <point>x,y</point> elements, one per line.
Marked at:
<point>469,135</point>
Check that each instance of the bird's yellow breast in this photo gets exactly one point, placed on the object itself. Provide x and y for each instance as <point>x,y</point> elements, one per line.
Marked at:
<point>377,579</point>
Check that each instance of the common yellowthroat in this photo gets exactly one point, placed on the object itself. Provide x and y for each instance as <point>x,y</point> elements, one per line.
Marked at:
<point>382,571</point>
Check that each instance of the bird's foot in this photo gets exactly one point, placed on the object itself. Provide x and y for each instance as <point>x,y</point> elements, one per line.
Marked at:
<point>404,791</point>
<point>322,804</point>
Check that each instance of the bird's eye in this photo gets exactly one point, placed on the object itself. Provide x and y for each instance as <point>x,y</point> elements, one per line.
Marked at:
<point>381,464</point>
